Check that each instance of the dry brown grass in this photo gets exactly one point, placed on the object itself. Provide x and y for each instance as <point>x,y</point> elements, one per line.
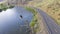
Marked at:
<point>53,10</point>
<point>51,7</point>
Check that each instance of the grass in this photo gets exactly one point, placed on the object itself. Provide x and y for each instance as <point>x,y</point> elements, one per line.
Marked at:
<point>4,7</point>
<point>53,10</point>
<point>51,7</point>
<point>34,20</point>
<point>31,10</point>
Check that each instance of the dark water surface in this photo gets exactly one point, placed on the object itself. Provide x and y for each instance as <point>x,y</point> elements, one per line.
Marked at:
<point>11,21</point>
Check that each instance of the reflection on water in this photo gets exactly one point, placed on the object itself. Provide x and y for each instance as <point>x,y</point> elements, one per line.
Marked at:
<point>12,23</point>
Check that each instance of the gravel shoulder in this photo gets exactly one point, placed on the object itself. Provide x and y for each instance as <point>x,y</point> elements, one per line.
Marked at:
<point>42,27</point>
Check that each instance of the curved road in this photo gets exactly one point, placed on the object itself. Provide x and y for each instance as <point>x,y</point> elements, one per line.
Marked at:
<point>52,27</point>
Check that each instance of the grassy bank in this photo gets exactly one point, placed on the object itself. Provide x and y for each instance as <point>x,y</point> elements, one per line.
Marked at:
<point>4,7</point>
<point>34,21</point>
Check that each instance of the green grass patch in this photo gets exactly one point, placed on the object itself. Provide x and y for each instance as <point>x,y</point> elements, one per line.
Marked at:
<point>31,10</point>
<point>34,20</point>
<point>4,7</point>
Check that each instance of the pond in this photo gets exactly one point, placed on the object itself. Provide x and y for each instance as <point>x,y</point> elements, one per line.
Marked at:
<point>15,21</point>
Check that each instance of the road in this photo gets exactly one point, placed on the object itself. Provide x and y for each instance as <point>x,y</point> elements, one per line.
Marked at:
<point>52,27</point>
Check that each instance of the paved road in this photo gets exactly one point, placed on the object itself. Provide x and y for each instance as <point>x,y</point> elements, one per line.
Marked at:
<point>52,27</point>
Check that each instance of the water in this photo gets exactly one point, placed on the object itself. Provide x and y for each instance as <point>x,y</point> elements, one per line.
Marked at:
<point>12,23</point>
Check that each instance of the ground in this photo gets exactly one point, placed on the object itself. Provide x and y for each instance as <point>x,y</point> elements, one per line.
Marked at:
<point>42,27</point>
<point>51,7</point>
<point>37,24</point>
